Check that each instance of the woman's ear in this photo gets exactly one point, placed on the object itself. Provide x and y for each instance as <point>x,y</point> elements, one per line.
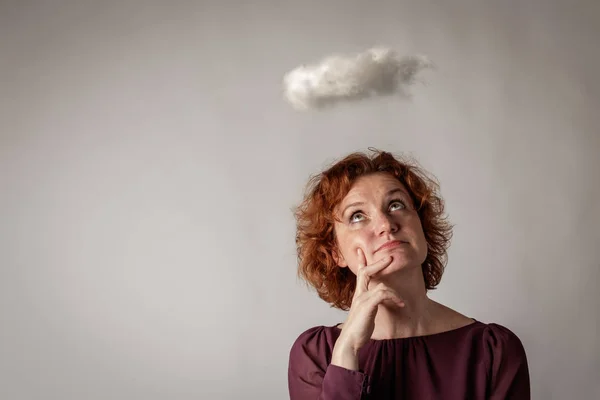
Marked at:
<point>339,259</point>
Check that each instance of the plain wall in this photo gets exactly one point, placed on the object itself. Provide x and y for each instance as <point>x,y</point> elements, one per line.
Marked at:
<point>149,166</point>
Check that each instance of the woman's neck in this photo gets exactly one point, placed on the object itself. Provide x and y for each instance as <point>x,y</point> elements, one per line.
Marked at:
<point>416,318</point>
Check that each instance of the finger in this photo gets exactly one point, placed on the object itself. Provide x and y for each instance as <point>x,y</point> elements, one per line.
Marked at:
<point>367,271</point>
<point>382,293</point>
<point>371,270</point>
<point>362,260</point>
<point>362,281</point>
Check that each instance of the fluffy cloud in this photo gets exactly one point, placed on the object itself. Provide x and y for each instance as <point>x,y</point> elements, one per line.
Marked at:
<point>337,78</point>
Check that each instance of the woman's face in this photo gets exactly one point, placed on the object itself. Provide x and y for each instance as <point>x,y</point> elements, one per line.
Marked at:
<point>378,216</point>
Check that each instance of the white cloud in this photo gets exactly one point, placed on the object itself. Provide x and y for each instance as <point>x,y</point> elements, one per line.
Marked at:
<point>375,72</point>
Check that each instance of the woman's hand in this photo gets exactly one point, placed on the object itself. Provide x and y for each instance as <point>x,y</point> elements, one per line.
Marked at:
<point>360,323</point>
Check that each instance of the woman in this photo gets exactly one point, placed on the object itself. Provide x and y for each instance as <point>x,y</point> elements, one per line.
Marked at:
<point>372,239</point>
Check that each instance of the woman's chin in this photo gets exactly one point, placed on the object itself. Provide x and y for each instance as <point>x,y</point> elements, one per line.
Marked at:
<point>397,265</point>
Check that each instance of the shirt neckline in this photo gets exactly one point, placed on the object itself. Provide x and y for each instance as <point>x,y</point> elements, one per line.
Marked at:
<point>337,330</point>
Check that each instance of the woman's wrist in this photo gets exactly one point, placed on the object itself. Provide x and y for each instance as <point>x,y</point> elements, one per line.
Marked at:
<point>344,356</point>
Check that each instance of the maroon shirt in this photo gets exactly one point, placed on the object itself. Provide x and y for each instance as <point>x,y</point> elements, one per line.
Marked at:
<point>477,361</point>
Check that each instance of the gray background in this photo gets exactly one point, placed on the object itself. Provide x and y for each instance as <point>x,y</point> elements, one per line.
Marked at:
<point>148,167</point>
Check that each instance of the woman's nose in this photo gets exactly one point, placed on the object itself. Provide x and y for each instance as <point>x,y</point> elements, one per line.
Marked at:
<point>386,224</point>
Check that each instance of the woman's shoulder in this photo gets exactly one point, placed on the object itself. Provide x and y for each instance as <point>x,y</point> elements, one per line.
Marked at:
<point>315,341</point>
<point>493,334</point>
<point>496,344</point>
<point>317,336</point>
<point>505,359</point>
<point>500,338</point>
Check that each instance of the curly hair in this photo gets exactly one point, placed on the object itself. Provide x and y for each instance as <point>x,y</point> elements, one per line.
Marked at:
<point>315,218</point>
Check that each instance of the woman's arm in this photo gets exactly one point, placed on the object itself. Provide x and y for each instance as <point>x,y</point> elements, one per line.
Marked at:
<point>310,375</point>
<point>310,378</point>
<point>509,378</point>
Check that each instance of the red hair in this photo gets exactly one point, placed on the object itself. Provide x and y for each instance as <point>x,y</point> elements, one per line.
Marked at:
<point>315,218</point>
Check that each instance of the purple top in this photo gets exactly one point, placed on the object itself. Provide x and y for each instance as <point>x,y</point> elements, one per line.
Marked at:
<point>477,361</point>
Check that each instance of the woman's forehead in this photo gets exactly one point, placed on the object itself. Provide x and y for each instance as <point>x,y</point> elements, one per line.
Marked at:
<point>378,183</point>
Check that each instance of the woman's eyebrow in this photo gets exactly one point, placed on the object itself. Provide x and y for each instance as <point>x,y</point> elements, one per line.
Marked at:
<point>388,194</point>
<point>356,203</point>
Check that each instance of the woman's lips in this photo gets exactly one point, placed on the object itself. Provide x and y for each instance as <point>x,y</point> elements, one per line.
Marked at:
<point>391,245</point>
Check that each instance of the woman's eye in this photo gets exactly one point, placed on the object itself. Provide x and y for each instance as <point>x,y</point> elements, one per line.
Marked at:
<point>397,204</point>
<point>356,217</point>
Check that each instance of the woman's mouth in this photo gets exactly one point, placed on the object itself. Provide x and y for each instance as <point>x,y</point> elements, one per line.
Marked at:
<point>392,244</point>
